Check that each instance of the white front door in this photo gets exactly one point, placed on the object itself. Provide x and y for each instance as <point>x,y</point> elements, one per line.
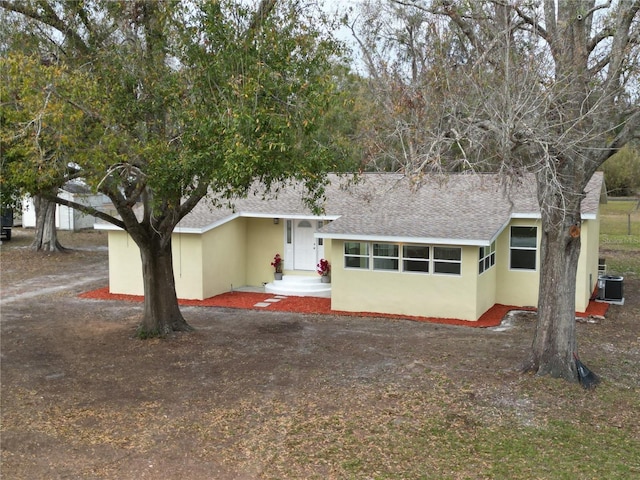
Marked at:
<point>304,245</point>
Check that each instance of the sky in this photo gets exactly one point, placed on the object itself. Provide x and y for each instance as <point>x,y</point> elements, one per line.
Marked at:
<point>343,34</point>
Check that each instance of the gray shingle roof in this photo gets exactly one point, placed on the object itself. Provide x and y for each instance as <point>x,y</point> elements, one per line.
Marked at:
<point>460,209</point>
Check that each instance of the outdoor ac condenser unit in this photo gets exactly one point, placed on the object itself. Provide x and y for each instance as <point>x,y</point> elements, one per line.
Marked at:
<point>610,288</point>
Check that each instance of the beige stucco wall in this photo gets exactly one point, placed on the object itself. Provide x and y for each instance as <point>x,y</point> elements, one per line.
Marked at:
<point>125,266</point>
<point>587,263</point>
<point>328,252</point>
<point>443,296</point>
<point>187,265</point>
<point>486,288</point>
<point>516,287</point>
<point>237,253</point>
<point>264,240</point>
<point>520,288</point>
<point>224,259</point>
<point>197,261</point>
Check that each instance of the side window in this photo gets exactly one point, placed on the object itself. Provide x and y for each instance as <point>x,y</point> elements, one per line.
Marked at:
<point>356,255</point>
<point>523,247</point>
<point>415,258</point>
<point>447,260</point>
<point>487,257</point>
<point>320,225</point>
<point>385,256</point>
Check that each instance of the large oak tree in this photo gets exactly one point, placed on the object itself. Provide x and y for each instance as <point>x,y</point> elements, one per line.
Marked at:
<point>547,87</point>
<point>169,102</point>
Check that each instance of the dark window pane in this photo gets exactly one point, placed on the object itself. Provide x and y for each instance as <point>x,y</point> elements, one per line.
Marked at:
<point>385,250</point>
<point>416,251</point>
<point>523,259</point>
<point>356,262</point>
<point>441,267</point>
<point>524,237</point>
<point>356,248</point>
<point>415,266</point>
<point>444,253</point>
<point>385,264</point>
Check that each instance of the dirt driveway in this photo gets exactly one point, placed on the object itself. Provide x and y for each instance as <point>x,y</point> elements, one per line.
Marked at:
<point>255,394</point>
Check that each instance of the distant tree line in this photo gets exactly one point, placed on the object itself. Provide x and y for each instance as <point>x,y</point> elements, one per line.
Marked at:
<point>622,172</point>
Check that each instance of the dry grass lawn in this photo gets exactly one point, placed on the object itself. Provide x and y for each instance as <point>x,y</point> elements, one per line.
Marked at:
<point>268,395</point>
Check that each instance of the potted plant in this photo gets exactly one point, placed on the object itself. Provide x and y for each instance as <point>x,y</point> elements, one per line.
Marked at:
<point>277,264</point>
<point>324,268</point>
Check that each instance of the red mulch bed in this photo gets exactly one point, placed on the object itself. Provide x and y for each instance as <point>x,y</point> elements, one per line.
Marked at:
<point>247,300</point>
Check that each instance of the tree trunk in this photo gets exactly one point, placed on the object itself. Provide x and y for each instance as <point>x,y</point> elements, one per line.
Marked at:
<point>554,342</point>
<point>46,235</point>
<point>161,312</point>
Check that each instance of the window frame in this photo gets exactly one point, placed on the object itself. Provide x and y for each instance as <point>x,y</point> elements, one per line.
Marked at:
<point>431,262</point>
<point>289,232</point>
<point>488,260</point>
<point>366,256</point>
<point>417,260</point>
<point>320,240</point>
<point>445,261</point>
<point>385,258</point>
<point>514,249</point>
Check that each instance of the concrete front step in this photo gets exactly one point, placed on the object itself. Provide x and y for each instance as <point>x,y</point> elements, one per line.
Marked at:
<point>298,285</point>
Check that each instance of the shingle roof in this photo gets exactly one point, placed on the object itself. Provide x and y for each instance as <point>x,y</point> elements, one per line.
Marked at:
<point>460,208</point>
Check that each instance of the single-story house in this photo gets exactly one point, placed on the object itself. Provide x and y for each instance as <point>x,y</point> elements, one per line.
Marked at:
<point>451,247</point>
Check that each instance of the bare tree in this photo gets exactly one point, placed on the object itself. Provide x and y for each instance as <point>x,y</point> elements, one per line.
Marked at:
<point>545,87</point>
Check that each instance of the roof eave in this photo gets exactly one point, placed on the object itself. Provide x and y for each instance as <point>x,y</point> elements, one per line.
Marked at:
<point>403,239</point>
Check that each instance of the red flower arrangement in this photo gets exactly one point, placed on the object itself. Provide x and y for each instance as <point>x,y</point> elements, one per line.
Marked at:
<point>323,268</point>
<point>277,263</point>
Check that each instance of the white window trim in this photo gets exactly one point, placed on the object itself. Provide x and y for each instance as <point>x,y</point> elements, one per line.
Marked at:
<point>414,259</point>
<point>431,261</point>
<point>492,253</point>
<point>372,262</point>
<point>346,255</point>
<point>436,260</point>
<point>534,249</point>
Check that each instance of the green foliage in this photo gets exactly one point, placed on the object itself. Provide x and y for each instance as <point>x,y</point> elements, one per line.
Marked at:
<point>264,96</point>
<point>622,172</point>
<point>159,103</point>
<point>198,97</point>
<point>33,114</point>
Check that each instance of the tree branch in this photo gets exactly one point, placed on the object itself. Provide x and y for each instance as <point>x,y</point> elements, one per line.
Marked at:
<point>84,209</point>
<point>48,17</point>
<point>630,131</point>
<point>529,20</point>
<point>51,89</point>
<point>261,14</point>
